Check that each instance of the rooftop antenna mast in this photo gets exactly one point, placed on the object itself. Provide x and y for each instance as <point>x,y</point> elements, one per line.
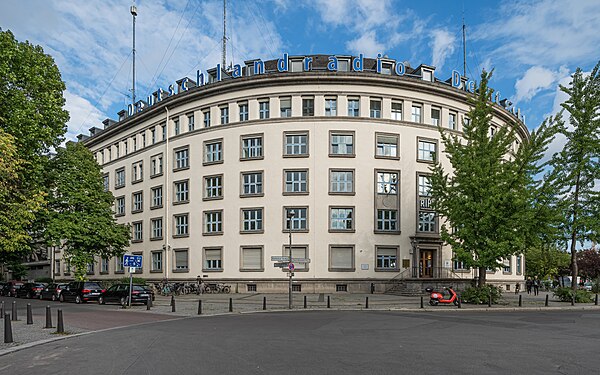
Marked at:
<point>133,11</point>
<point>224,52</point>
<point>464,37</point>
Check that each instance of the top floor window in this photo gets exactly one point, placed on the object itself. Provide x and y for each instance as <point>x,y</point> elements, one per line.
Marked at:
<point>206,114</point>
<point>176,126</point>
<point>224,115</point>
<point>375,111</point>
<point>243,111</point>
<point>285,106</point>
<point>308,107</point>
<point>435,116</point>
<point>353,107</point>
<point>263,109</point>
<point>396,110</point>
<point>416,113</point>
<point>191,120</point>
<point>330,107</point>
<point>452,120</point>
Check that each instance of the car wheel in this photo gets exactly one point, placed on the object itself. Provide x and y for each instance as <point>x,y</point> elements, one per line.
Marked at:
<point>53,298</point>
<point>77,299</point>
<point>61,298</point>
<point>101,300</point>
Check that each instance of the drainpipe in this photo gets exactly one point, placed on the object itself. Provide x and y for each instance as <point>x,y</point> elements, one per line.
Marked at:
<point>166,198</point>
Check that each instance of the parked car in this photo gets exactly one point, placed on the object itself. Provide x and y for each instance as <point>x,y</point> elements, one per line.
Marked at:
<point>10,289</point>
<point>52,291</point>
<point>2,285</point>
<point>81,291</point>
<point>30,290</point>
<point>120,293</point>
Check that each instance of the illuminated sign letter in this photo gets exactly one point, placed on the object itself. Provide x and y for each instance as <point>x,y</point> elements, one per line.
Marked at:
<point>307,63</point>
<point>357,63</point>
<point>455,79</point>
<point>332,66</point>
<point>237,71</point>
<point>282,64</point>
<point>400,68</point>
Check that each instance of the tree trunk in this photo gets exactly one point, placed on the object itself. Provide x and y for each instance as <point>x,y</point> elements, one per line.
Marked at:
<point>481,279</point>
<point>574,237</point>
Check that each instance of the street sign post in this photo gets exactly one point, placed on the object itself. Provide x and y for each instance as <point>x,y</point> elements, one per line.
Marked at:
<point>133,262</point>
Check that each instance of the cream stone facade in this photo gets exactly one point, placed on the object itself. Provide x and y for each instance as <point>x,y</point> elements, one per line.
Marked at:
<point>207,178</point>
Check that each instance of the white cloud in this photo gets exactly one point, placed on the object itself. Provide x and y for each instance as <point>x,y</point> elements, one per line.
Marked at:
<point>83,115</point>
<point>442,45</point>
<point>366,43</point>
<point>536,79</point>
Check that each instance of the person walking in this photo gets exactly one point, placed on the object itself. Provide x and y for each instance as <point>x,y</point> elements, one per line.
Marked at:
<point>536,286</point>
<point>528,284</point>
<point>517,288</point>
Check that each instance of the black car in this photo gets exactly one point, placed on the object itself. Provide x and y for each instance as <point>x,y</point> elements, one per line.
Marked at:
<point>52,291</point>
<point>120,293</point>
<point>81,291</point>
<point>30,290</point>
<point>11,287</point>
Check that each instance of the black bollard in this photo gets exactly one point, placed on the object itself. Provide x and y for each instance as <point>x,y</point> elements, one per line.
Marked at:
<point>60,327</point>
<point>573,300</point>
<point>173,304</point>
<point>328,302</point>
<point>200,307</point>
<point>595,301</point>
<point>2,310</point>
<point>230,304</point>
<point>520,300</point>
<point>48,318</point>
<point>264,303</point>
<point>490,300</point>
<point>459,301</point>
<point>29,314</point>
<point>367,303</point>
<point>148,303</point>
<point>8,338</point>
<point>14,311</point>
<point>422,302</point>
<point>304,301</point>
<point>546,303</point>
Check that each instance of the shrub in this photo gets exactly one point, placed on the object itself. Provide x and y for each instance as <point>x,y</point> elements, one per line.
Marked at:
<point>479,295</point>
<point>565,294</point>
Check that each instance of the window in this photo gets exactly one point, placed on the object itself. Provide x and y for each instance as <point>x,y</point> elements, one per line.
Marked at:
<point>90,268</point>
<point>375,111</point>
<point>353,107</point>
<point>252,147</point>
<point>156,226</point>
<point>137,204</point>
<point>157,197</point>
<point>224,115</point>
<point>416,113</point>
<point>296,181</point>
<point>181,225</point>
<point>143,139</point>
<point>342,144</point>
<point>182,159</point>
<point>103,265</point>
<point>296,144</point>
<point>459,265</point>
<point>176,126</point>
<point>341,181</point>
<point>252,183</point>
<point>117,150</point>
<point>298,252</point>
<point>153,135</point>
<point>252,259</point>
<point>213,222</point>
<point>206,114</point>
<point>137,172</point>
<point>181,259</point>
<point>212,259</point>
<point>134,140</point>
<point>109,154</point>
<point>182,190</point>
<point>285,106</point>
<point>137,228</point>
<point>424,186</point>
<point>330,107</point>
<point>243,111</point>
<point>341,218</point>
<point>119,264</point>
<point>164,131</point>
<point>126,146</point>
<point>427,221</point>
<point>120,206</point>
<point>156,165</point>
<point>435,116</point>
<point>386,258</point>
<point>452,121</point>
<point>387,220</point>
<point>119,178</point>
<point>308,107</point>
<point>213,152</point>
<point>299,220</point>
<point>396,110</point>
<point>156,261</point>
<point>387,183</point>
<point>252,220</point>
<point>213,187</point>
<point>387,146</point>
<point>518,264</point>
<point>426,151</point>
<point>506,266</point>
<point>105,182</point>
<point>341,258</point>
<point>191,121</point>
<point>263,109</point>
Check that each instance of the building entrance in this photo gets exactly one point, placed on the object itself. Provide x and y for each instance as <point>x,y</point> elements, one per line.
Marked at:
<point>426,264</point>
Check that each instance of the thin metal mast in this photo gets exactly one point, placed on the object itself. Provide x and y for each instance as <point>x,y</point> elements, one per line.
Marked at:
<point>464,34</point>
<point>133,11</point>
<point>224,53</point>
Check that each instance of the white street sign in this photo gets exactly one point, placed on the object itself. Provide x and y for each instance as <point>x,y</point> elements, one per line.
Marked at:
<point>276,258</point>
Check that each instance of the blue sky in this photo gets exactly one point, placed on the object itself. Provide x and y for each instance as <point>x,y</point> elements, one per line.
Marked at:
<point>532,45</point>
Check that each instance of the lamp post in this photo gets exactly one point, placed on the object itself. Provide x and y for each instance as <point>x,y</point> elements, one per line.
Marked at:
<point>290,216</point>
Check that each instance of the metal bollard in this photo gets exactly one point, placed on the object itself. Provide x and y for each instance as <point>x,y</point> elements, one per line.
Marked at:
<point>48,318</point>
<point>304,301</point>
<point>148,303</point>
<point>422,302</point>
<point>230,304</point>
<point>595,301</point>
<point>328,302</point>
<point>264,303</point>
<point>520,300</point>
<point>60,327</point>
<point>367,303</point>
<point>14,311</point>
<point>29,314</point>
<point>8,337</point>
<point>573,300</point>
<point>173,309</point>
<point>459,301</point>
<point>200,307</point>
<point>546,303</point>
<point>490,300</point>
<point>2,310</point>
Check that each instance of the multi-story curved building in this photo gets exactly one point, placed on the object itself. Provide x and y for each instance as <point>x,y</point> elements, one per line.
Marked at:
<point>210,178</point>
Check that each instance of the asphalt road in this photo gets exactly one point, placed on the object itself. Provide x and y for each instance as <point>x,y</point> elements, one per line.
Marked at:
<point>336,342</point>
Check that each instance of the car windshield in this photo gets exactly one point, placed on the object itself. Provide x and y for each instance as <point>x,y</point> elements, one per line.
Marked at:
<point>92,286</point>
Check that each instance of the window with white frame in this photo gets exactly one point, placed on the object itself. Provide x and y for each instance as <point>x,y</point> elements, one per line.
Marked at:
<point>518,264</point>
<point>330,106</point>
<point>375,108</point>
<point>506,266</point>
<point>137,171</point>
<point>182,158</point>
<point>252,219</point>
<point>341,258</point>
<point>252,258</point>
<point>308,106</point>
<point>119,178</point>
<point>426,151</point>
<point>156,226</point>
<point>137,228</point>
<point>341,218</point>
<point>213,152</point>
<point>427,221</point>
<point>387,220</point>
<point>416,113</point>
<point>134,142</point>
<point>299,220</point>
<point>120,206</point>
<point>252,183</point>
<point>213,259</point>
<point>182,191</point>
<point>153,135</point>
<point>296,144</point>
<point>180,257</point>
<point>452,120</point>
<point>143,136</point>
<point>213,222</point>
<point>387,183</point>
<point>206,118</point>
<point>459,265</point>
<point>436,114</point>
<point>182,225</point>
<point>387,145</point>
<point>157,261</point>
<point>252,147</point>
<point>90,268</point>
<point>296,181</point>
<point>387,258</point>
<point>118,264</point>
<point>103,265</point>
<point>156,165</point>
<point>224,115</point>
<point>117,150</point>
<point>106,181</point>
<point>341,143</point>
<point>137,202</point>
<point>191,122</point>
<point>341,181</point>
<point>176,126</point>
<point>353,107</point>
<point>424,185</point>
<point>397,110</point>
<point>157,196</point>
<point>243,111</point>
<point>164,131</point>
<point>285,106</point>
<point>298,252</point>
<point>263,109</point>
<point>213,187</point>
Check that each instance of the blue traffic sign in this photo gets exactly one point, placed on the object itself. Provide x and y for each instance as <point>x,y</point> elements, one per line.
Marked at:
<point>132,261</point>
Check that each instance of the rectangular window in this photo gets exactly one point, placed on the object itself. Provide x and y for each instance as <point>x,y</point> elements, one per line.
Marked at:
<point>243,111</point>
<point>206,120</point>
<point>224,115</point>
<point>117,149</point>
<point>387,146</point>
<point>459,265</point>
<point>120,206</point>
<point>436,114</point>
<point>252,220</point>
<point>118,264</point>
<point>506,266</point>
<point>330,107</point>
<point>182,191</point>
<point>137,202</point>
<point>213,152</point>
<point>252,258</point>
<point>296,144</point>
<point>296,181</point>
<point>387,183</point>
<point>105,182</point>
<point>213,187</point>
<point>396,110</point>
<point>353,107</point>
<point>181,259</point>
<point>164,131</point>
<point>213,222</point>
<point>341,218</point>
<point>156,225</point>
<point>156,261</point>
<point>518,264</point>
<point>427,221</point>
<point>426,151</point>
<point>452,120</point>
<point>176,126</point>
<point>252,183</point>
<point>252,147</point>
<point>375,109</point>
<point>153,135</point>
<point>298,252</point>
<point>263,109</point>
<point>341,258</point>
<point>341,181</point>
<point>125,147</point>
<point>387,220</point>
<point>386,258</point>
<point>143,135</point>
<point>299,218</point>
<point>138,234</point>
<point>90,268</point>
<point>103,265</point>
<point>285,106</point>
<point>182,158</point>
<point>424,186</point>
<point>213,259</point>
<point>308,107</point>
<point>134,141</point>
<point>191,121</point>
<point>137,171</point>
<point>416,113</point>
<point>119,178</point>
<point>156,165</point>
<point>157,197</point>
<point>182,225</point>
<point>342,144</point>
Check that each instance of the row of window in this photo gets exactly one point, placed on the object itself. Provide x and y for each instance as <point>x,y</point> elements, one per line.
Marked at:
<point>295,145</point>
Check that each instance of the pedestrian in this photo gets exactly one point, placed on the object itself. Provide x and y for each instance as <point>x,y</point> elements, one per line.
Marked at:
<point>536,286</point>
<point>517,288</point>
<point>528,284</point>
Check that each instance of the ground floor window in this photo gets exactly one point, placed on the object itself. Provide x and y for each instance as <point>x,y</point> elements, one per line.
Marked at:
<point>341,258</point>
<point>157,261</point>
<point>213,259</point>
<point>252,258</point>
<point>387,258</point>
<point>181,259</point>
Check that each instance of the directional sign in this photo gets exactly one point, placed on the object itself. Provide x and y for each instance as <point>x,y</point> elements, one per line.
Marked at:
<point>281,264</point>
<point>280,259</point>
<point>132,261</point>
<point>300,260</point>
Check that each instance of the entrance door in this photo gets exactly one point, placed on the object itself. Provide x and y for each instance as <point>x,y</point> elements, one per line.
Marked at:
<point>426,264</point>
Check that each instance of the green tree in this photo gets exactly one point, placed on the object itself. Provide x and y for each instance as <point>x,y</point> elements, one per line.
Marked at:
<point>80,216</point>
<point>490,197</point>
<point>546,260</point>
<point>576,169</point>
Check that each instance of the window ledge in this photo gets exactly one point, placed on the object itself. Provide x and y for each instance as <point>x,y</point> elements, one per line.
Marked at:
<point>181,270</point>
<point>212,270</point>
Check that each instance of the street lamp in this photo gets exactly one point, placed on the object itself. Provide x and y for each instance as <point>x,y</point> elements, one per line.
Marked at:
<point>290,216</point>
